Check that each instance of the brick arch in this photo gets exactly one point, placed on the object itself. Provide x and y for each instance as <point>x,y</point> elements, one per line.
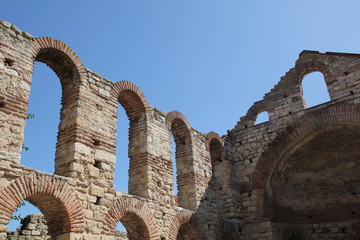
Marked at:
<point>173,115</point>
<point>331,115</point>
<point>256,108</point>
<point>215,146</point>
<point>136,106</point>
<point>185,217</point>
<point>210,136</point>
<point>59,57</point>
<point>309,67</point>
<point>130,97</point>
<point>135,215</point>
<point>180,128</point>
<point>72,74</point>
<point>52,195</point>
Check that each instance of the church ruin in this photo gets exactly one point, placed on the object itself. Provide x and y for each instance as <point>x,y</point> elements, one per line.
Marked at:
<point>295,176</point>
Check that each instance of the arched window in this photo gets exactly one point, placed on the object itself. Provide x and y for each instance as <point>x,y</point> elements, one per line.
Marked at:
<point>262,117</point>
<point>121,179</point>
<point>216,151</point>
<point>314,89</point>
<point>41,131</point>
<point>132,126</point>
<point>24,209</point>
<point>185,179</point>
<point>120,231</point>
<point>187,231</point>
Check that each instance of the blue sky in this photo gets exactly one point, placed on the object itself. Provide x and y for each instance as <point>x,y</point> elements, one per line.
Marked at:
<point>208,59</point>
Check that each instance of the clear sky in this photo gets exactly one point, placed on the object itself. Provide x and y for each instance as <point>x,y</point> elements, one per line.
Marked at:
<point>208,59</point>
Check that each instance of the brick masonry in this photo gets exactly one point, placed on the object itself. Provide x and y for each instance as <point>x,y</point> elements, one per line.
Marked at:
<point>295,175</point>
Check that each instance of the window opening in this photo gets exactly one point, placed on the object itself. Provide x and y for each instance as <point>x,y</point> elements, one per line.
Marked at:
<point>121,173</point>
<point>262,117</point>
<point>121,232</point>
<point>24,208</point>
<point>41,131</point>
<point>173,159</point>
<point>314,89</point>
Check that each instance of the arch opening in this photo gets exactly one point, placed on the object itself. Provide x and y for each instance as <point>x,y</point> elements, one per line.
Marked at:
<point>67,66</point>
<point>314,89</point>
<point>121,174</point>
<point>40,135</point>
<point>134,103</point>
<point>120,231</point>
<point>183,159</point>
<point>22,210</point>
<point>135,227</point>
<point>61,64</point>
<point>316,179</point>
<point>187,232</point>
<point>262,117</point>
<point>216,156</point>
<point>53,210</point>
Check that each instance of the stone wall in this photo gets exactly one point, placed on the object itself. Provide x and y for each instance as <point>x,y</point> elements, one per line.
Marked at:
<point>295,174</point>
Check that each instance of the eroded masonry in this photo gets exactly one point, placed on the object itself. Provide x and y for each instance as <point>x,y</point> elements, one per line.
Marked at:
<point>296,176</point>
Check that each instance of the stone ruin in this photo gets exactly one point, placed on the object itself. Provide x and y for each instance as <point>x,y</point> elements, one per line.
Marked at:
<point>31,226</point>
<point>295,176</point>
<point>34,227</point>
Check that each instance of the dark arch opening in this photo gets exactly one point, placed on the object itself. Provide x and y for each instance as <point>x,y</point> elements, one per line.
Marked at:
<point>135,227</point>
<point>216,152</point>
<point>314,89</point>
<point>187,232</point>
<point>316,179</point>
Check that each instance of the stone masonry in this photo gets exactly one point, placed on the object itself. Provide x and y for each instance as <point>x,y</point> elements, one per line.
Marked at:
<point>295,176</point>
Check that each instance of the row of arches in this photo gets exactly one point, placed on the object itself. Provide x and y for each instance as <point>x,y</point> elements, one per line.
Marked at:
<point>72,74</point>
<point>64,213</point>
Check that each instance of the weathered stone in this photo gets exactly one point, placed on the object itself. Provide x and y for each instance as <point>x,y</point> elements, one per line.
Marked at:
<point>298,169</point>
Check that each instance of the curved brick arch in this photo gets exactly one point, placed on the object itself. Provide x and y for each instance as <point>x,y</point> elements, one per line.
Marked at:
<point>72,74</point>
<point>256,108</point>
<point>134,214</point>
<point>179,126</point>
<point>215,146</point>
<point>135,105</point>
<point>173,115</point>
<point>210,136</point>
<point>130,97</point>
<point>332,115</point>
<point>59,57</point>
<point>181,218</point>
<point>309,67</point>
<point>180,129</point>
<point>52,195</point>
